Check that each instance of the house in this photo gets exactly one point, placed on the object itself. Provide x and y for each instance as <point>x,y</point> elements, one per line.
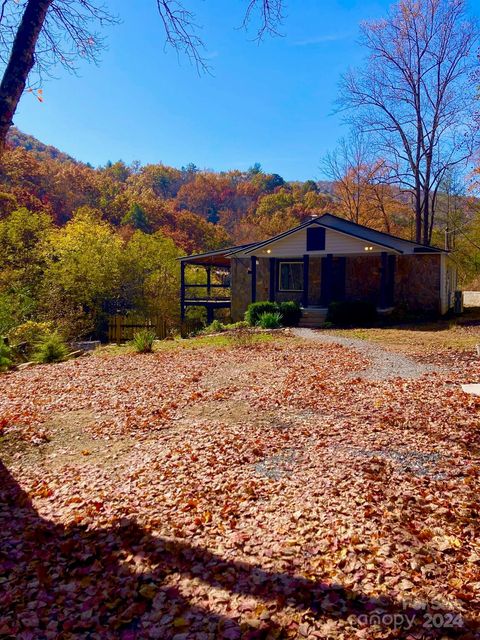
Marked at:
<point>325,259</point>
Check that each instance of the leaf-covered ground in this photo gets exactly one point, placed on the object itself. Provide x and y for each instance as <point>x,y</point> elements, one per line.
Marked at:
<point>254,492</point>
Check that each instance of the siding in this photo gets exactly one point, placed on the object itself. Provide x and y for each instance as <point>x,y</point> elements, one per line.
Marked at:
<point>295,245</point>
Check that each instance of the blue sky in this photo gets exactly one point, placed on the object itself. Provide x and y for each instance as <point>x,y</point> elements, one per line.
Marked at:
<point>271,103</point>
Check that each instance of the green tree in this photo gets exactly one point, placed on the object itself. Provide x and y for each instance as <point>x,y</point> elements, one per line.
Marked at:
<point>308,186</point>
<point>82,275</point>
<point>151,275</point>
<point>137,218</point>
<point>273,203</point>
<point>22,234</point>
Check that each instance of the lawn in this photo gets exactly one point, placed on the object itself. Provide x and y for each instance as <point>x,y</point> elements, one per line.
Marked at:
<point>459,334</point>
<point>214,490</point>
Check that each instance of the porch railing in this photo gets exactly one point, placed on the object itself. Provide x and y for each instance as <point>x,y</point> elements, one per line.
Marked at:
<point>212,293</point>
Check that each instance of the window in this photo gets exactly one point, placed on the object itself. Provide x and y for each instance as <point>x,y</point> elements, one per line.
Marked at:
<point>290,276</point>
<point>315,239</point>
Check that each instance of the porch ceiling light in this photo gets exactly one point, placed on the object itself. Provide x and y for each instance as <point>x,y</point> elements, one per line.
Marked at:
<point>269,251</point>
<point>368,248</point>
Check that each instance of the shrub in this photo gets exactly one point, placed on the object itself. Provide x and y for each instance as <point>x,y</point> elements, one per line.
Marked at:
<point>143,341</point>
<point>353,313</point>
<point>51,348</point>
<point>255,310</point>
<point>26,336</point>
<point>236,325</point>
<point>270,320</point>
<point>215,327</point>
<point>5,353</point>
<point>290,312</point>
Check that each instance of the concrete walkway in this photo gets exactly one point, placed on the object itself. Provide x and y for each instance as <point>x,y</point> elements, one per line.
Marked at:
<point>384,365</point>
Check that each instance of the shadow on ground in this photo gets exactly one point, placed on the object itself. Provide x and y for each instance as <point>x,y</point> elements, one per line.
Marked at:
<point>70,582</point>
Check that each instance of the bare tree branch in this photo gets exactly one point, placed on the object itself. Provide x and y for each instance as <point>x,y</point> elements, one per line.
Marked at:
<point>271,16</point>
<point>37,35</point>
<point>181,32</point>
<point>415,96</point>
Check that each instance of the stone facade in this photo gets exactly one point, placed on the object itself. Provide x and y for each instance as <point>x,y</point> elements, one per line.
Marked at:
<point>362,278</point>
<point>314,281</point>
<point>240,287</point>
<point>263,279</point>
<point>416,283</point>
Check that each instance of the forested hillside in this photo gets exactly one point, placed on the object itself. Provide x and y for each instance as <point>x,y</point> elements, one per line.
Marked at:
<point>78,243</point>
<point>17,138</point>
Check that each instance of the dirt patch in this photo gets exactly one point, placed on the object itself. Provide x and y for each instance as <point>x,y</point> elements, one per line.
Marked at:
<point>65,439</point>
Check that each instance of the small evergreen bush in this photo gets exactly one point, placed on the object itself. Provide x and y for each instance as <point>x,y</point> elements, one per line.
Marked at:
<point>143,341</point>
<point>290,312</point>
<point>26,336</point>
<point>237,325</point>
<point>5,355</point>
<point>270,320</point>
<point>357,313</point>
<point>50,348</point>
<point>255,310</point>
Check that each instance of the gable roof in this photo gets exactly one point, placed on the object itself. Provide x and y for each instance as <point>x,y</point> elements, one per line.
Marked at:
<point>328,221</point>
<point>216,257</point>
<point>341,225</point>
<point>371,235</point>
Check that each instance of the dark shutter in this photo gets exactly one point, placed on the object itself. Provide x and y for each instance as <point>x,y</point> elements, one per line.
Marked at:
<point>315,239</point>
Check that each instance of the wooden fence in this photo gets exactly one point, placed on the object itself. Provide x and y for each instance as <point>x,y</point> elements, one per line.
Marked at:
<point>123,328</point>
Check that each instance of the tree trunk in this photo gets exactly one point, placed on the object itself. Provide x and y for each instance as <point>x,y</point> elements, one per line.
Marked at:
<point>426,218</point>
<point>22,59</point>
<point>418,212</point>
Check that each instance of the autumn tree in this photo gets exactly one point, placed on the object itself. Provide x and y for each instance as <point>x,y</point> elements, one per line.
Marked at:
<point>36,35</point>
<point>206,194</point>
<point>362,188</point>
<point>415,96</point>
<point>352,169</point>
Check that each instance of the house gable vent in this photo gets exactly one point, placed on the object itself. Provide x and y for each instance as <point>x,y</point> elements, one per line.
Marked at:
<point>315,239</point>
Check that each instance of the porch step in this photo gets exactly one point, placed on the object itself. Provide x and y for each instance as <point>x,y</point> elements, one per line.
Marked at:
<point>313,317</point>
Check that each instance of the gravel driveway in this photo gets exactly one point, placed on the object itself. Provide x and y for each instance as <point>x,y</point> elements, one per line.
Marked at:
<point>383,364</point>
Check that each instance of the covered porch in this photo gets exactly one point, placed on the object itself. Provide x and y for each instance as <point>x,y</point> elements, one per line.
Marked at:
<point>316,281</point>
<point>205,282</point>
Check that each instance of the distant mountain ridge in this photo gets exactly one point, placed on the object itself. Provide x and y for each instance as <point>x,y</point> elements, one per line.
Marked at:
<point>17,138</point>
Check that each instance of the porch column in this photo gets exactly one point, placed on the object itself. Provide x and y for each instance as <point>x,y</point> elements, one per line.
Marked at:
<point>272,267</point>
<point>392,264</point>
<point>306,265</point>
<point>182,291</point>
<point>209,280</point>
<point>384,280</point>
<point>253,268</point>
